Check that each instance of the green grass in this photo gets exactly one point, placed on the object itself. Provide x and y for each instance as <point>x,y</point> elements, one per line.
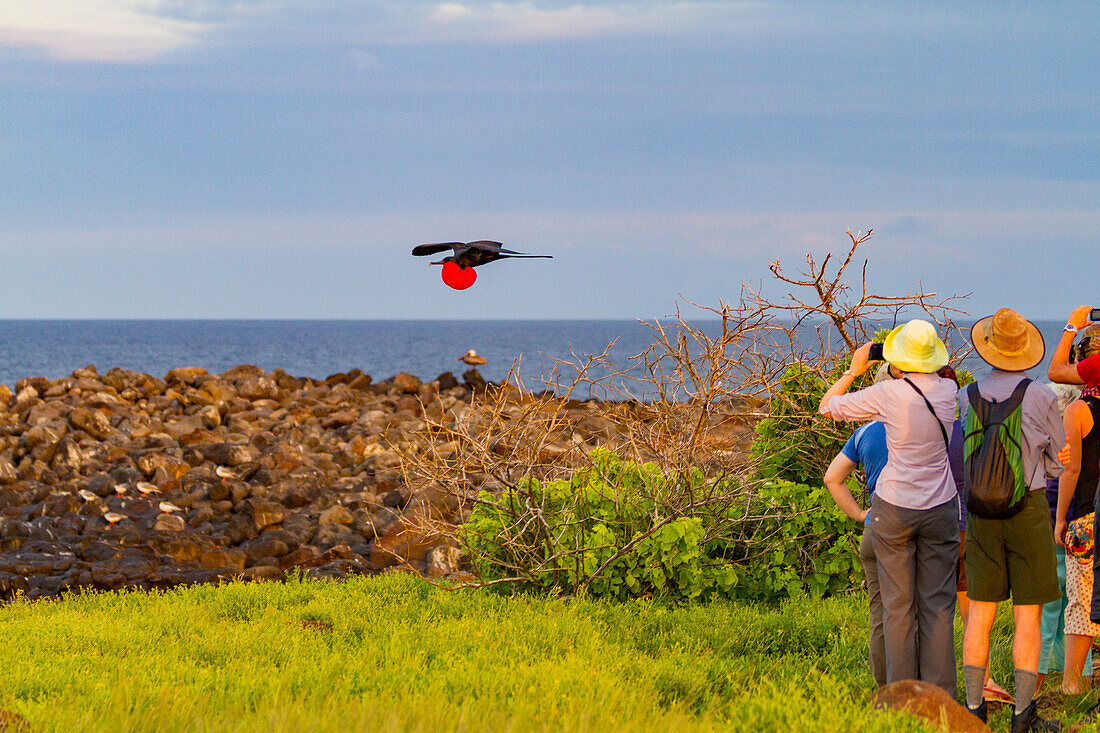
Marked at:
<point>403,655</point>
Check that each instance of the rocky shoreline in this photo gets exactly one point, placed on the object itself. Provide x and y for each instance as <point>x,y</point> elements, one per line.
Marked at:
<point>124,480</point>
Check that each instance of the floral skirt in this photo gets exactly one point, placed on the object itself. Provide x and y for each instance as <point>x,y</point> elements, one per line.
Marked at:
<point>1079,552</point>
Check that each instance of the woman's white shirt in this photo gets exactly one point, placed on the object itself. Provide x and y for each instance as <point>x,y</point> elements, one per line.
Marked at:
<point>917,474</point>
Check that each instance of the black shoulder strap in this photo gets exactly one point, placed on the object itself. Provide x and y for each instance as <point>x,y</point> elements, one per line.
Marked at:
<point>943,430</point>
<point>1017,397</point>
<point>974,396</point>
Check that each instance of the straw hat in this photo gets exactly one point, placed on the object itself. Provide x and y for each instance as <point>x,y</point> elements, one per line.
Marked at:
<point>1008,341</point>
<point>915,347</point>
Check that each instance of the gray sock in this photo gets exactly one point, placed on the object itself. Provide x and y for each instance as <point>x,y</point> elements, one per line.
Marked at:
<point>974,677</point>
<point>1025,688</point>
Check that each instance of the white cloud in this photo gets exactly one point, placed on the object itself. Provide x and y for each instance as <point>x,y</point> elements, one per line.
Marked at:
<point>116,31</point>
<point>528,21</point>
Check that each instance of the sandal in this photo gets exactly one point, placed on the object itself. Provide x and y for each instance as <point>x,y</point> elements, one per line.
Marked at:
<point>992,692</point>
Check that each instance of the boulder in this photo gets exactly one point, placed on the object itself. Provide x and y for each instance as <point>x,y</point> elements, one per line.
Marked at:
<point>92,422</point>
<point>260,548</point>
<point>244,372</point>
<point>228,454</point>
<point>361,382</point>
<point>329,535</point>
<point>302,557</point>
<point>925,700</point>
<point>406,541</point>
<point>122,380</point>
<point>335,515</point>
<point>185,375</point>
<point>443,560</point>
<point>406,383</point>
<point>264,513</point>
<point>473,379</point>
<point>169,523</point>
<point>446,381</point>
<point>261,388</point>
<point>263,573</point>
<point>8,473</point>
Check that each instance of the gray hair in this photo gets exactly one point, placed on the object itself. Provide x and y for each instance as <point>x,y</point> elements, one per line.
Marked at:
<point>1066,394</point>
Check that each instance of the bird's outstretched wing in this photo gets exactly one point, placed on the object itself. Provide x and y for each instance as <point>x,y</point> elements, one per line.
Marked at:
<point>423,250</point>
<point>487,245</point>
<point>497,248</point>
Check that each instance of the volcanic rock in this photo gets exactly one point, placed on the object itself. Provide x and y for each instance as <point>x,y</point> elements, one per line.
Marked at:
<point>406,383</point>
<point>185,375</point>
<point>473,379</point>
<point>169,523</point>
<point>92,422</point>
<point>268,471</point>
<point>442,560</point>
<point>227,454</point>
<point>335,515</point>
<point>265,513</point>
<point>925,700</point>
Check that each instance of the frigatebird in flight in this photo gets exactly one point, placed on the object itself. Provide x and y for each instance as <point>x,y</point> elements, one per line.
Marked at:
<point>458,267</point>
<point>471,254</point>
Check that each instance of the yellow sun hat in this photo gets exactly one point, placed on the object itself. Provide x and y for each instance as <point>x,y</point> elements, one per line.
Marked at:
<point>915,347</point>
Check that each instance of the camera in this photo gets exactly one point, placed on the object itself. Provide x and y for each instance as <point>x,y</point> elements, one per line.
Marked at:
<point>876,353</point>
<point>1094,315</point>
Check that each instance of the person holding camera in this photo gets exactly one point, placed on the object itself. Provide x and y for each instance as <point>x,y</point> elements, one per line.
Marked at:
<point>1075,518</point>
<point>1012,432</point>
<point>915,510</point>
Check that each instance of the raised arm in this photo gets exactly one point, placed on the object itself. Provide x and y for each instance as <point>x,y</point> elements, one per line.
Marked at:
<point>1060,370</point>
<point>860,364</point>
<point>836,481</point>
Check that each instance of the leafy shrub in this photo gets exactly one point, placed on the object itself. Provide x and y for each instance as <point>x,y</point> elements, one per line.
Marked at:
<point>607,510</point>
<point>769,544</point>
<point>812,547</point>
<point>795,443</point>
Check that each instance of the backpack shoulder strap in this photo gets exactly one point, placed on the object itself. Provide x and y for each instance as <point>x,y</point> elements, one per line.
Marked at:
<point>943,430</point>
<point>974,395</point>
<point>1017,397</point>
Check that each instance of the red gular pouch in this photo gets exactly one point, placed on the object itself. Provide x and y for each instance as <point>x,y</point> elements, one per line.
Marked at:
<point>457,277</point>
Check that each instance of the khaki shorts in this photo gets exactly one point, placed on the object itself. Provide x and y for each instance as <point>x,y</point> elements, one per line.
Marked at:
<point>1013,556</point>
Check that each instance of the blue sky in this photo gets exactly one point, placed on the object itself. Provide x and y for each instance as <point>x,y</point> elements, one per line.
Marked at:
<point>279,158</point>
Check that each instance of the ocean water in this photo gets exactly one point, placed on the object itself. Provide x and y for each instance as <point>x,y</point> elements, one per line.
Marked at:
<point>307,348</point>
<point>319,348</point>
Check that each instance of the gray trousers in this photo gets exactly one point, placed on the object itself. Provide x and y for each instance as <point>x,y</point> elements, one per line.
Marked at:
<point>876,643</point>
<point>917,551</point>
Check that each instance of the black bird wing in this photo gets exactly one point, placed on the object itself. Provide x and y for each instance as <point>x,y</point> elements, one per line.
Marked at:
<point>487,245</point>
<point>422,250</point>
<point>497,248</point>
<point>484,251</point>
<point>471,254</point>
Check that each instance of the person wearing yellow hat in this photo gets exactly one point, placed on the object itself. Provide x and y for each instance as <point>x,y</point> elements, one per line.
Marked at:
<point>915,510</point>
<point>1009,543</point>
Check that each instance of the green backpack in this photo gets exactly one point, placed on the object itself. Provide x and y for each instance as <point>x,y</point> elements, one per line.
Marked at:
<point>993,454</point>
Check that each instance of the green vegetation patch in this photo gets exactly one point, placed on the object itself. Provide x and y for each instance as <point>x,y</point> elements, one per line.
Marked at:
<point>394,653</point>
